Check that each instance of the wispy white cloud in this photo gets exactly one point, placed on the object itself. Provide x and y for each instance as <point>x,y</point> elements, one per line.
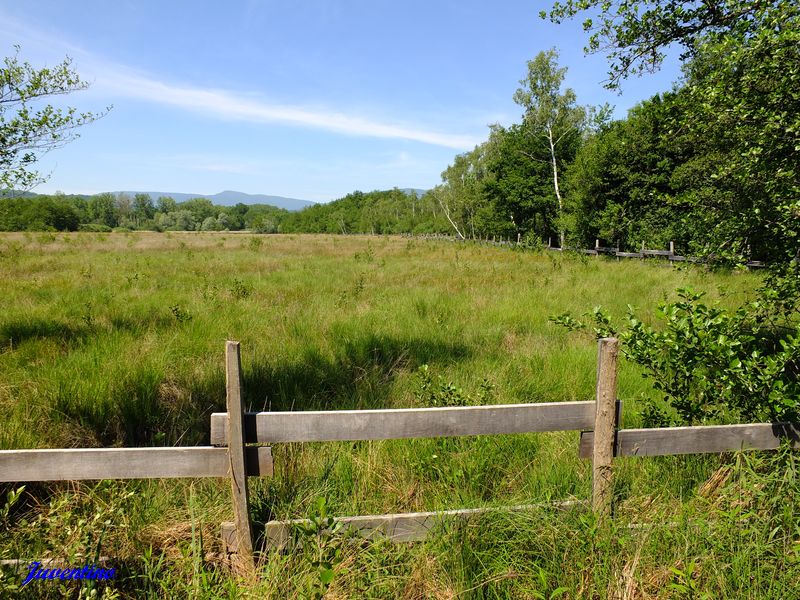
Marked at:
<point>120,80</point>
<point>229,105</point>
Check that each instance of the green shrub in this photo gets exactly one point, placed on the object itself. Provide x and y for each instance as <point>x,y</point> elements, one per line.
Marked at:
<point>710,363</point>
<point>95,228</point>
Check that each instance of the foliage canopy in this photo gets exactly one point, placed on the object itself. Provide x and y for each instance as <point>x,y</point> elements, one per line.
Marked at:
<point>30,128</point>
<point>635,33</point>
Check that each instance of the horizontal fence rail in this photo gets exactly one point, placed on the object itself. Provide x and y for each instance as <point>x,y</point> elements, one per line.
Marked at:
<point>126,463</point>
<point>697,440</point>
<point>402,423</point>
<point>401,527</point>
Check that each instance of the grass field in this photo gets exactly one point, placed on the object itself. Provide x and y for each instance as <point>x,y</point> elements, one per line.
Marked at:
<point>117,339</point>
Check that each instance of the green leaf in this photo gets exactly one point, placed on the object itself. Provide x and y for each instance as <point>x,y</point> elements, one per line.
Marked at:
<point>326,576</point>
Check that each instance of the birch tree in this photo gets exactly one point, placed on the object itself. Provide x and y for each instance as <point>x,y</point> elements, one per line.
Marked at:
<point>551,116</point>
<point>461,196</point>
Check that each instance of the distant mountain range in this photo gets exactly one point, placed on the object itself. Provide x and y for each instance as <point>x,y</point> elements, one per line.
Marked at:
<point>229,198</point>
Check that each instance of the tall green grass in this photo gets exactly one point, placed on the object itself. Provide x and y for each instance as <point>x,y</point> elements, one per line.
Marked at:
<point>118,340</point>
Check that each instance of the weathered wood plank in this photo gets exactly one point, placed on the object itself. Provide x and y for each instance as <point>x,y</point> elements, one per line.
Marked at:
<point>403,527</point>
<point>236,453</point>
<point>656,252</point>
<point>340,425</point>
<point>605,425</point>
<point>629,254</point>
<point>698,440</point>
<point>126,463</point>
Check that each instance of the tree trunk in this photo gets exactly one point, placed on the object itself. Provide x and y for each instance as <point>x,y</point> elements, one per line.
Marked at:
<point>555,185</point>
<point>446,210</point>
<point>472,224</point>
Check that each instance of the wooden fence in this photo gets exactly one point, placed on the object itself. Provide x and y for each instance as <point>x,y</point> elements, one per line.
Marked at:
<point>670,254</point>
<point>598,250</point>
<point>237,449</point>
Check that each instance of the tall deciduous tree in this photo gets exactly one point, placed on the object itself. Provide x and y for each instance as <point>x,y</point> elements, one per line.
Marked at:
<point>551,116</point>
<point>27,128</point>
<point>521,186</point>
<point>102,211</point>
<point>166,204</point>
<point>630,181</point>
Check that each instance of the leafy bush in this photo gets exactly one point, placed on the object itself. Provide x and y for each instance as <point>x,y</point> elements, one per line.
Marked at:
<point>264,224</point>
<point>710,363</point>
<point>445,393</point>
<point>241,290</point>
<point>95,228</point>
<point>181,314</point>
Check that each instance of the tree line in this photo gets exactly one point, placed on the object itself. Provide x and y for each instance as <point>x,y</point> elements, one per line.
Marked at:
<point>122,212</point>
<point>378,212</point>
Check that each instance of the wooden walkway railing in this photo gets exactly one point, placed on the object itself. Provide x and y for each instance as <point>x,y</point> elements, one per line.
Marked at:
<point>235,453</point>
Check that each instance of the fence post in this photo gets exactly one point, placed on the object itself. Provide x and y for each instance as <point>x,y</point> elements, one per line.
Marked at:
<point>243,560</point>
<point>605,422</point>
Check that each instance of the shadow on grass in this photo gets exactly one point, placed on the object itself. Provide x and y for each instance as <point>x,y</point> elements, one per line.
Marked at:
<point>19,331</point>
<point>359,375</point>
<point>143,409</point>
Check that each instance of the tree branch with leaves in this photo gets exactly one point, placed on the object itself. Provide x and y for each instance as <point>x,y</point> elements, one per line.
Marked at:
<point>29,129</point>
<point>635,34</point>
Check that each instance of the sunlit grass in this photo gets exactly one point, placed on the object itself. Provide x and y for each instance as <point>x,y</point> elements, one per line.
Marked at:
<point>118,340</point>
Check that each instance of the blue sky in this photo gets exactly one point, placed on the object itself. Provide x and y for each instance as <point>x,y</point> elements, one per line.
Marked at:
<point>309,99</point>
